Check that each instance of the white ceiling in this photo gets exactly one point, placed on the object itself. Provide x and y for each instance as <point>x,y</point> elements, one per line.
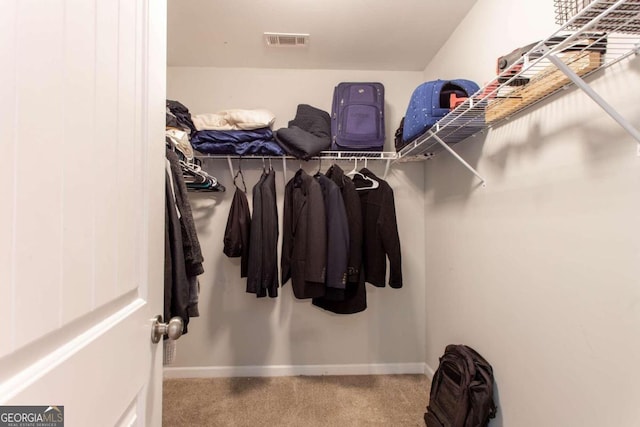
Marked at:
<point>345,34</point>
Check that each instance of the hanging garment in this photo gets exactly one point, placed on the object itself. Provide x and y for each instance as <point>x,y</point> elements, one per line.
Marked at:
<point>270,235</point>
<point>192,251</point>
<point>254,276</point>
<point>355,298</point>
<point>304,236</point>
<point>183,255</point>
<point>381,239</point>
<point>238,230</point>
<point>176,283</point>
<point>353,209</point>
<point>263,246</point>
<point>337,239</point>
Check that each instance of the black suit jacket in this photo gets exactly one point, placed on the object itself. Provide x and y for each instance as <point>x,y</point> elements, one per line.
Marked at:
<point>304,236</point>
<point>381,237</point>
<point>269,235</point>
<point>262,276</point>
<point>254,276</point>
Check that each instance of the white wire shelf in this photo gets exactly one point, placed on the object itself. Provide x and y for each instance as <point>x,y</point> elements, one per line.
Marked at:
<point>606,32</point>
<point>625,14</point>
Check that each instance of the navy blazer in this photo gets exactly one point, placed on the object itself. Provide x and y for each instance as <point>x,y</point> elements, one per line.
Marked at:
<point>337,238</point>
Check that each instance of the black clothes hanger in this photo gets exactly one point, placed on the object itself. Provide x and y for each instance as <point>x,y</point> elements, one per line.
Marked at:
<point>197,179</point>
<point>367,183</point>
<point>318,172</point>
<point>353,171</point>
<point>193,176</point>
<point>364,182</point>
<point>241,175</point>
<point>373,183</point>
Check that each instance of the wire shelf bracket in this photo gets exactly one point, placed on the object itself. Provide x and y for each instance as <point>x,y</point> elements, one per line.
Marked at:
<point>624,123</point>
<point>460,159</point>
<point>600,33</point>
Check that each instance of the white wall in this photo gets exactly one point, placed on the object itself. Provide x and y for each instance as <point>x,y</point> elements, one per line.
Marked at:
<point>539,270</point>
<point>236,331</point>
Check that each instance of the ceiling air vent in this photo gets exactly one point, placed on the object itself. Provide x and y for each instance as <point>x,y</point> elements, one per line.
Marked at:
<point>286,40</point>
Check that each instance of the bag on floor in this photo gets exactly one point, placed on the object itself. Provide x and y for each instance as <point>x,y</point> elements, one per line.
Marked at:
<point>357,117</point>
<point>431,101</point>
<point>461,390</point>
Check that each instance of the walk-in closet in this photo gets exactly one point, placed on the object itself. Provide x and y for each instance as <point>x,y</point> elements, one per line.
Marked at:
<point>530,260</point>
<point>508,223</point>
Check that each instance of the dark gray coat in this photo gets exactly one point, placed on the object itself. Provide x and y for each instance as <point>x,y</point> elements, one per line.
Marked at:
<point>355,295</point>
<point>192,253</point>
<point>176,281</point>
<point>304,236</point>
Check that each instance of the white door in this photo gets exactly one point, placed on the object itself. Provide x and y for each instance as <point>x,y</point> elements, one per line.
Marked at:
<point>82,89</point>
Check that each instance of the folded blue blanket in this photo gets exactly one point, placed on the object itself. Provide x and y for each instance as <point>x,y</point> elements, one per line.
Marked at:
<point>237,142</point>
<point>232,135</point>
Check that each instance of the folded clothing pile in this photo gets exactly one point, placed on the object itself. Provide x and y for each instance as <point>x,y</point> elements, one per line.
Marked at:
<point>179,127</point>
<point>234,120</point>
<point>179,117</point>
<point>237,142</point>
<point>238,132</point>
<point>308,133</point>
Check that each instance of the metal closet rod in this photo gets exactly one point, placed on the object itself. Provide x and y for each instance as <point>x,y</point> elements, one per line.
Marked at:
<point>386,156</point>
<point>336,155</point>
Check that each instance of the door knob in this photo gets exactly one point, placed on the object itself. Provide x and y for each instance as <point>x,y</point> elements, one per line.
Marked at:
<point>172,329</point>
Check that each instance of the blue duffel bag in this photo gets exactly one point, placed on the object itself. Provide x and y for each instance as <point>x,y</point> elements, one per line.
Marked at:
<point>430,102</point>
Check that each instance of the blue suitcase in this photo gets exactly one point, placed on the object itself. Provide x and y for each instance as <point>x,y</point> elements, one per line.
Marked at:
<point>357,117</point>
<point>430,102</point>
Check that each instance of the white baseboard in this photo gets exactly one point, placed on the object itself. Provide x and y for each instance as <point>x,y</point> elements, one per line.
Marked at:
<point>429,371</point>
<point>295,370</point>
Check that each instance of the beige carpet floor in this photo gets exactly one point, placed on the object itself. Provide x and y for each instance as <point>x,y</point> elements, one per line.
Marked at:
<point>303,401</point>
